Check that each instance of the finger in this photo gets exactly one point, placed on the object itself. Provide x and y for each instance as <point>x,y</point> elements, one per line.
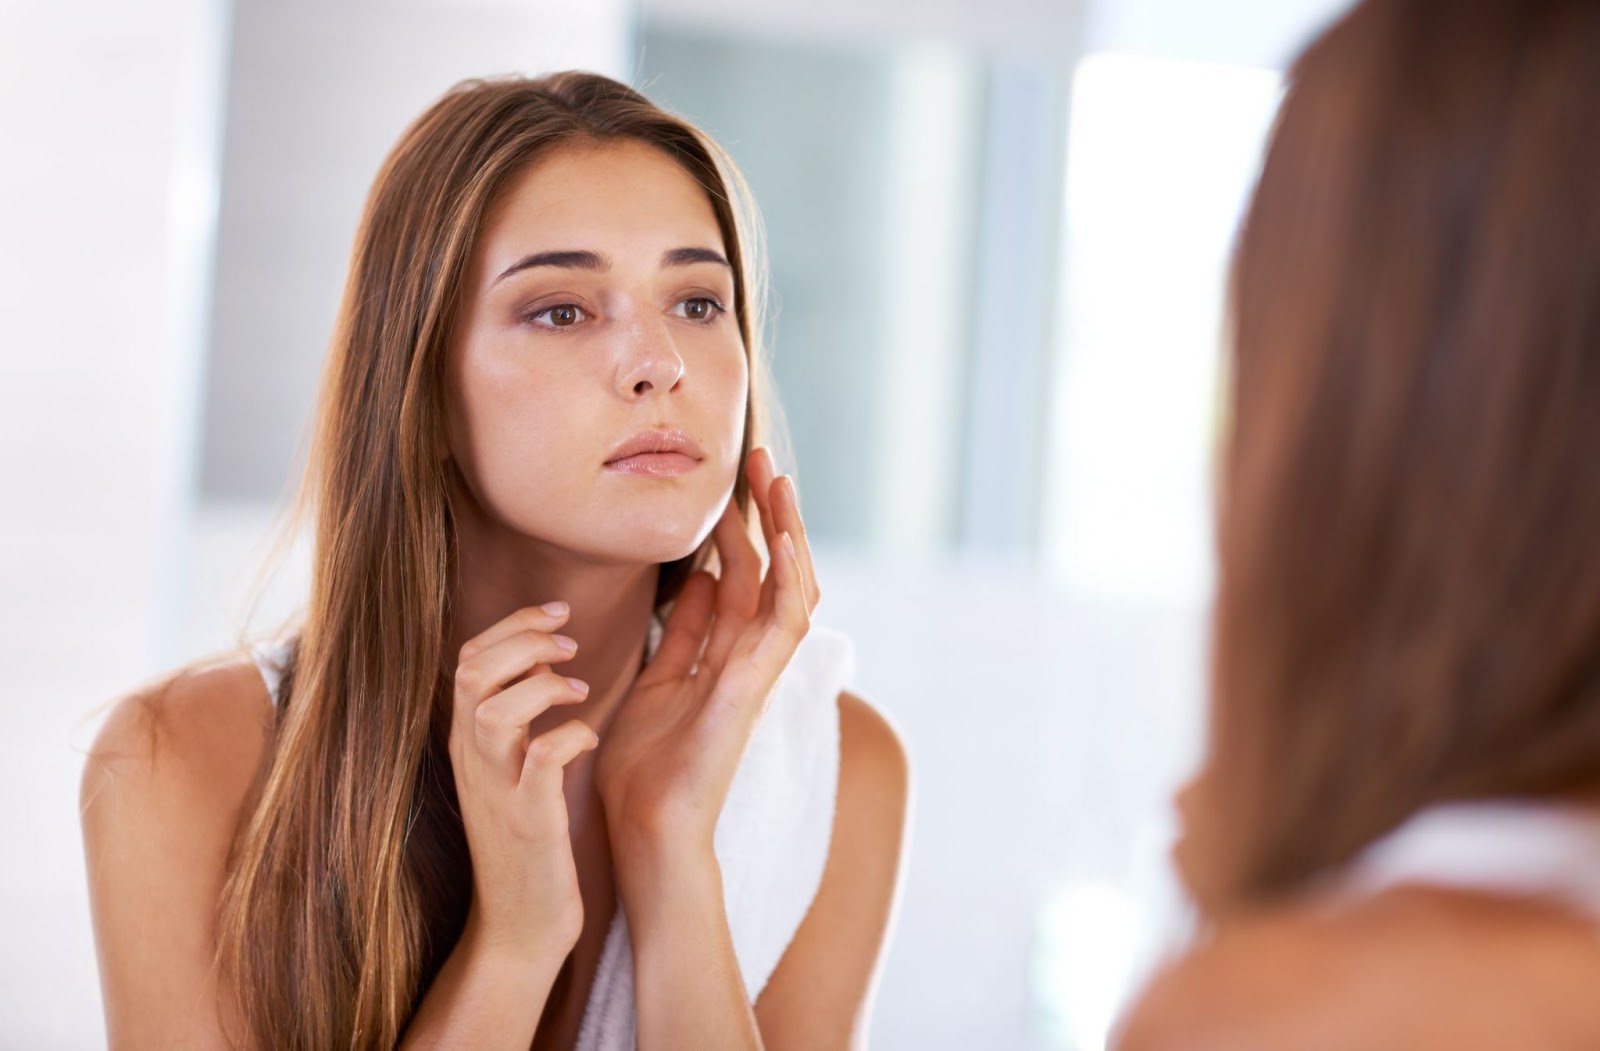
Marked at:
<point>738,591</point>
<point>739,578</point>
<point>685,631</point>
<point>513,656</point>
<point>516,655</point>
<point>552,750</point>
<point>749,682</point>
<point>762,472</point>
<point>500,724</point>
<point>547,618</point>
<point>766,505</point>
<point>791,614</point>
<point>789,520</point>
<point>793,609</point>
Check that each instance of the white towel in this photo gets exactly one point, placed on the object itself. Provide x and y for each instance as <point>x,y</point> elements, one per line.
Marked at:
<point>771,839</point>
<point>1539,848</point>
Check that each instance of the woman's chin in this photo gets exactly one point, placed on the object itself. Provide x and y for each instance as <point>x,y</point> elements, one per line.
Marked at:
<point>651,541</point>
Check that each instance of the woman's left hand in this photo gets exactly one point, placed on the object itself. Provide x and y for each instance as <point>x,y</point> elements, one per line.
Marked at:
<point>666,760</point>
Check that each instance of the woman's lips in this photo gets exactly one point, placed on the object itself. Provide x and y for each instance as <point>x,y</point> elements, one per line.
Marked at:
<point>660,465</point>
<point>660,453</point>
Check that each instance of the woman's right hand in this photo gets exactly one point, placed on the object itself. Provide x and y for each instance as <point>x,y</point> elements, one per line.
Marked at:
<point>524,882</point>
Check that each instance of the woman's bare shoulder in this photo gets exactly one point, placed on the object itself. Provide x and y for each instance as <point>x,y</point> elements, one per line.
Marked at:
<point>1253,987</point>
<point>873,800</point>
<point>871,748</point>
<point>163,789</point>
<point>820,993</point>
<point>206,723</point>
<point>173,763</point>
<point>1414,968</point>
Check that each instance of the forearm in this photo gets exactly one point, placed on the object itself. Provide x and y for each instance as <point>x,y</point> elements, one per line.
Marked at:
<point>688,990</point>
<point>485,996</point>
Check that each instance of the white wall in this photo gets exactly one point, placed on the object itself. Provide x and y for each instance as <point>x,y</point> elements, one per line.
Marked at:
<point>104,217</point>
<point>1261,33</point>
<point>1035,28</point>
<point>317,94</point>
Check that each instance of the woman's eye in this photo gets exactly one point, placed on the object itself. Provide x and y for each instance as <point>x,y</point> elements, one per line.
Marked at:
<point>562,315</point>
<point>699,308</point>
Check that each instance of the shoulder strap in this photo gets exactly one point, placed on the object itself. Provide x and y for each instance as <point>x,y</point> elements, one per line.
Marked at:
<point>270,660</point>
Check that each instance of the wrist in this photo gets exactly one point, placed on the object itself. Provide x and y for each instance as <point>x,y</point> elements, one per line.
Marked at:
<point>537,952</point>
<point>664,887</point>
<point>655,867</point>
<point>661,847</point>
<point>654,827</point>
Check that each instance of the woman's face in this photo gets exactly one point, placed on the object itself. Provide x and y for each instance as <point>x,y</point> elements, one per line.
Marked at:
<point>598,313</point>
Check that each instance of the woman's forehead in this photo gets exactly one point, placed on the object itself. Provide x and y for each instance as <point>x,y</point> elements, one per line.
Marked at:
<point>625,200</point>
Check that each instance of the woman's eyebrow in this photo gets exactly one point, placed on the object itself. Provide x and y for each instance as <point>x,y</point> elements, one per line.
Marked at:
<point>583,259</point>
<point>568,259</point>
<point>690,256</point>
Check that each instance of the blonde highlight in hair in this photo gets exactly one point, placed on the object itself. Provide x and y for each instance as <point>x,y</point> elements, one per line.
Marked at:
<point>350,878</point>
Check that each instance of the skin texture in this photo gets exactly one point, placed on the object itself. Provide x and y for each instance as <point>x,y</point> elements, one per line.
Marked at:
<point>577,796</point>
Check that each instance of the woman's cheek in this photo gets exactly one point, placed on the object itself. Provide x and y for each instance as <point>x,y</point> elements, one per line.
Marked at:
<point>734,394</point>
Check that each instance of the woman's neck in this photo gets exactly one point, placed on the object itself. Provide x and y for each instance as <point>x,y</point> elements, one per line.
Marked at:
<point>499,572</point>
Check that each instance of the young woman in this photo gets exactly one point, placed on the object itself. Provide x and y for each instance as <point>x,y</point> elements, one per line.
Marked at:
<point>1396,836</point>
<point>482,797</point>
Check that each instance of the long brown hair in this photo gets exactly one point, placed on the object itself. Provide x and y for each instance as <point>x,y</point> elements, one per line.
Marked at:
<point>350,878</point>
<point>1409,598</point>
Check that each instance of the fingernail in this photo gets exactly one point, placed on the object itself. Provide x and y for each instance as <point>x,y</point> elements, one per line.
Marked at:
<point>788,544</point>
<point>578,684</point>
<point>570,645</point>
<point>556,609</point>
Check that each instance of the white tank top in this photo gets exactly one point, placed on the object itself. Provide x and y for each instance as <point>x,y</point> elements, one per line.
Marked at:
<point>771,839</point>
<point>1534,848</point>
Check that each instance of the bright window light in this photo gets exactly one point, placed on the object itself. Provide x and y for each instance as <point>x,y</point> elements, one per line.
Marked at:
<point>1161,158</point>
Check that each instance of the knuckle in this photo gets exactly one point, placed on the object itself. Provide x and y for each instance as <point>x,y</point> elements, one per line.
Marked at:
<point>488,719</point>
<point>795,626</point>
<point>534,761</point>
<point>469,679</point>
<point>541,752</point>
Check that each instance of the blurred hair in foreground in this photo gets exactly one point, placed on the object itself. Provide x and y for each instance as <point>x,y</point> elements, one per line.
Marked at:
<point>1409,538</point>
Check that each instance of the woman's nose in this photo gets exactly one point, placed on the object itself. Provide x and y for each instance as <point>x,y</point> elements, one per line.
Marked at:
<point>649,362</point>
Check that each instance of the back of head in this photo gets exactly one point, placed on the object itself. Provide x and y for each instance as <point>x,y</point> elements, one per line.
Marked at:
<point>1409,542</point>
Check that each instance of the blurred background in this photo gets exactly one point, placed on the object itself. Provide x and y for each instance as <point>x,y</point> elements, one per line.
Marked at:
<point>998,233</point>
